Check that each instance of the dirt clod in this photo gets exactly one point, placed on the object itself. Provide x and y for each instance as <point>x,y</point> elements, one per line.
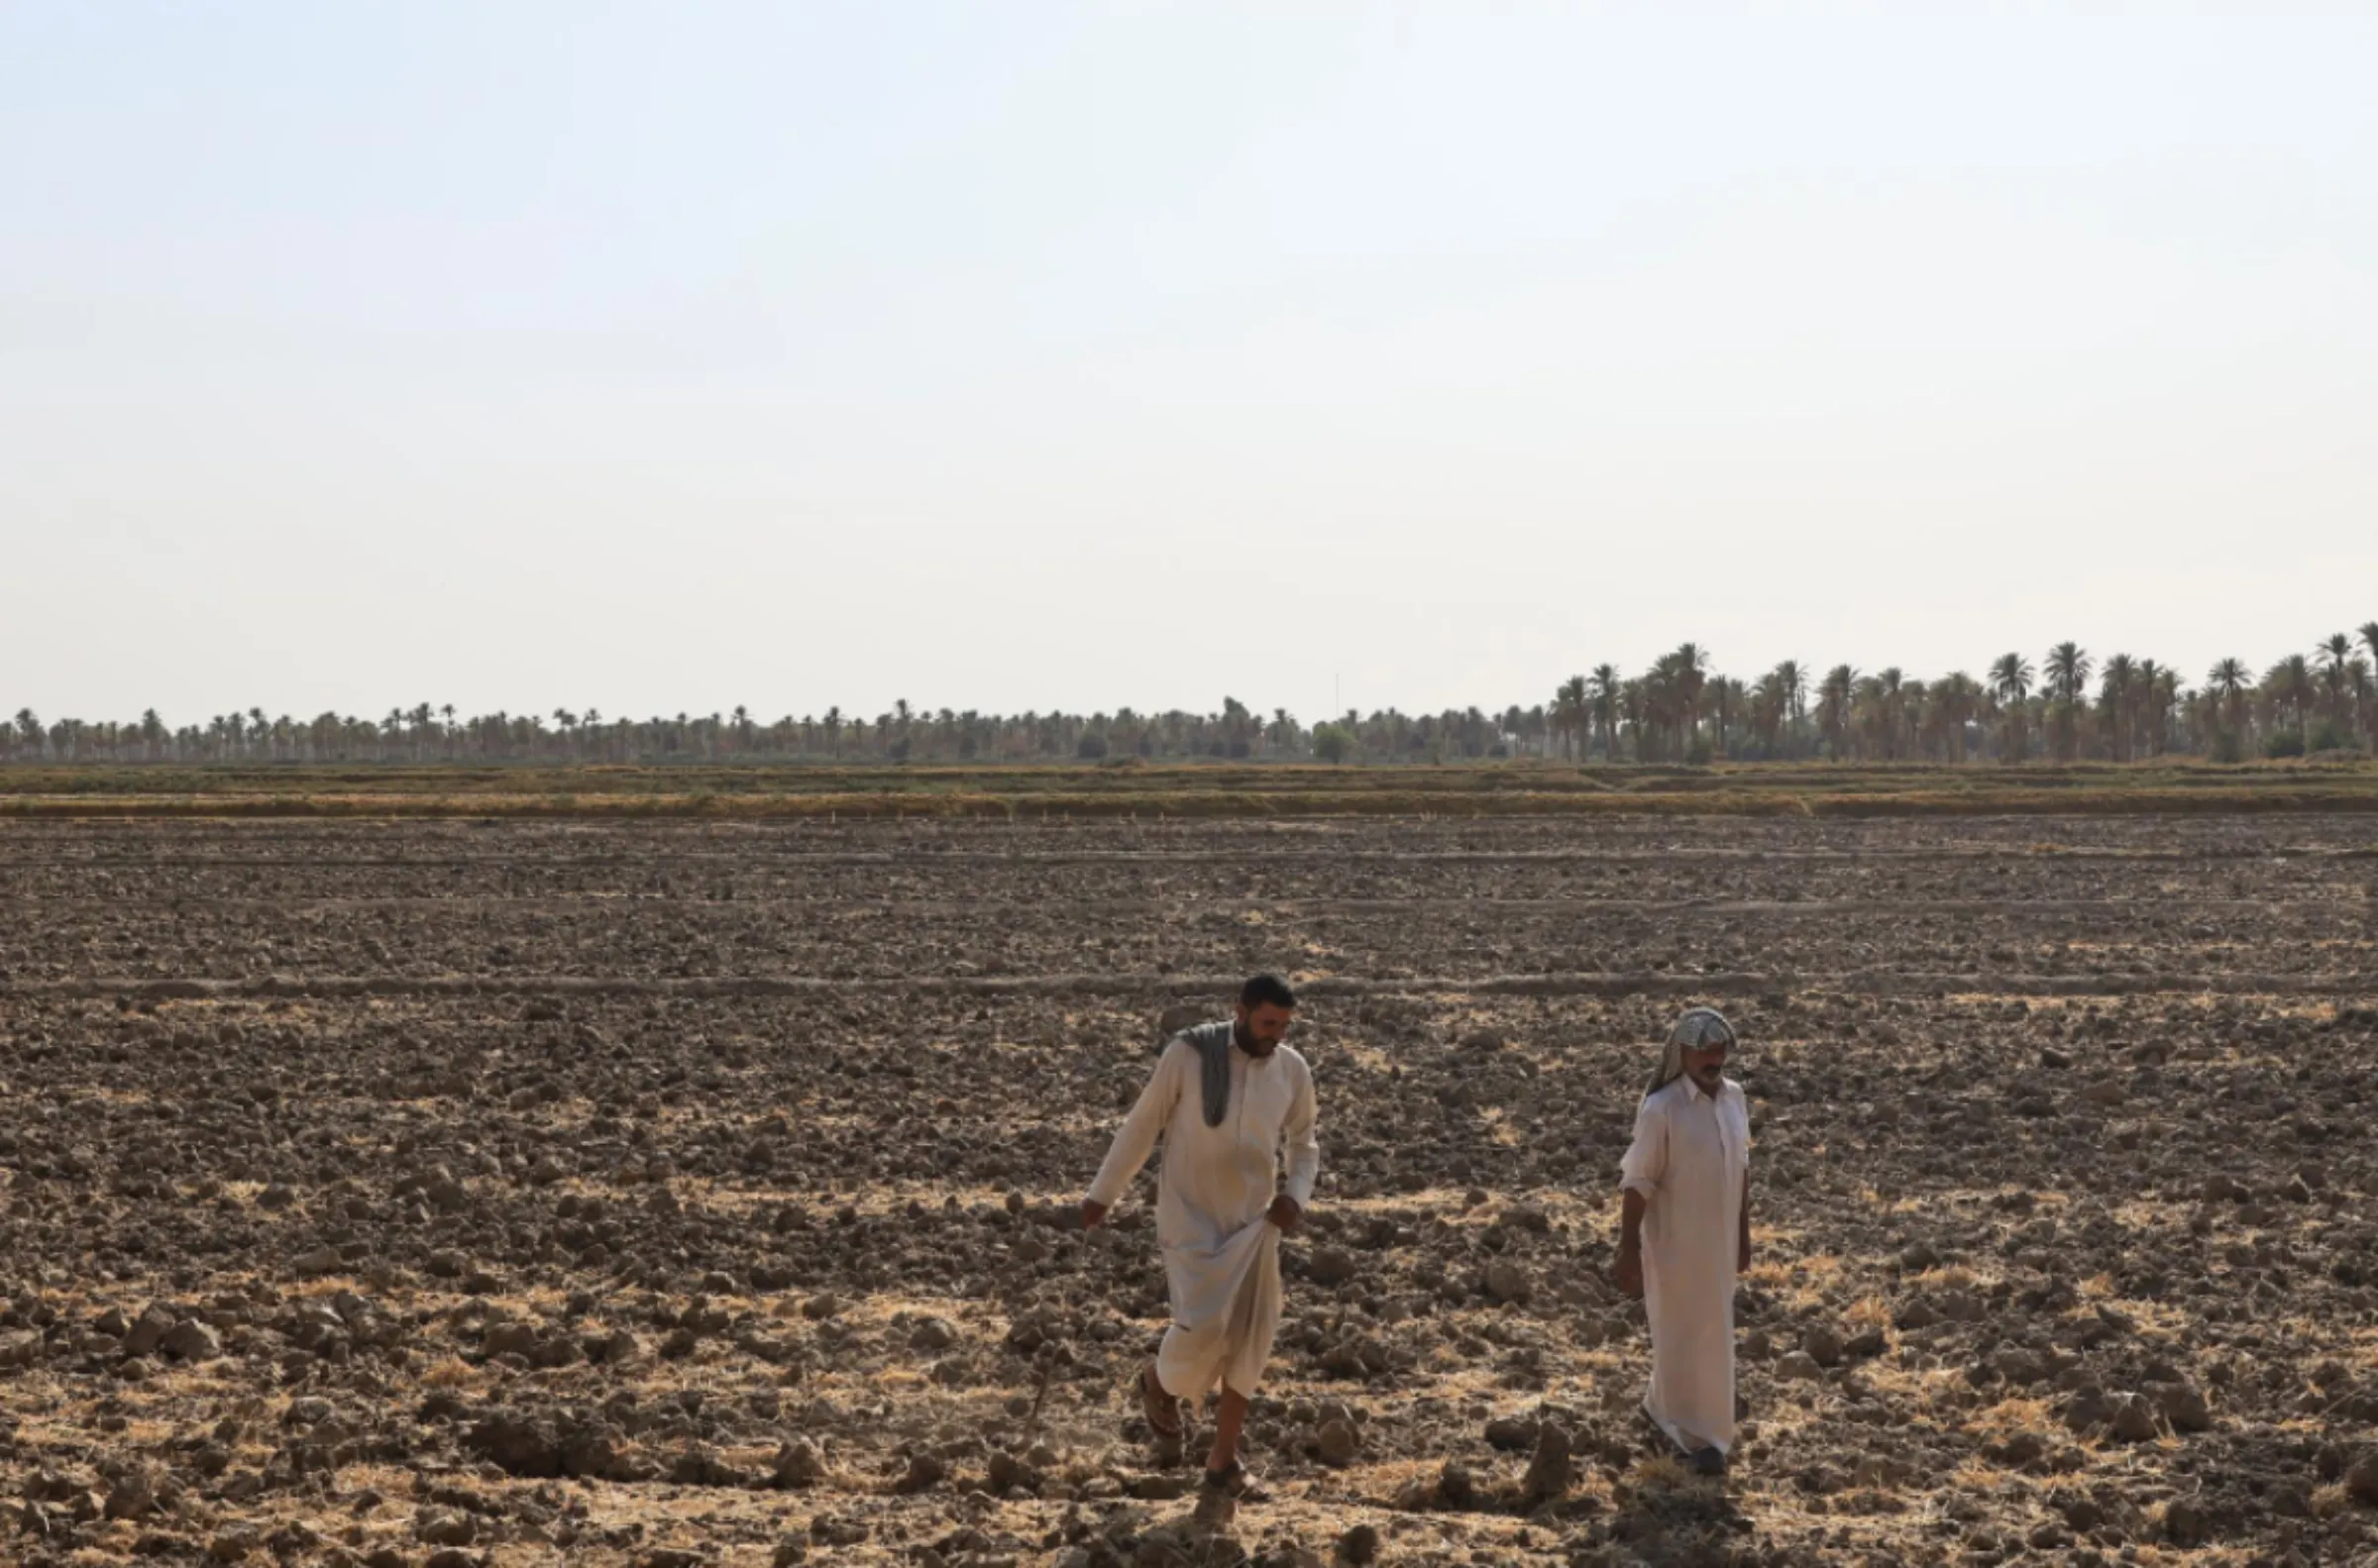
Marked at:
<point>355,1173</point>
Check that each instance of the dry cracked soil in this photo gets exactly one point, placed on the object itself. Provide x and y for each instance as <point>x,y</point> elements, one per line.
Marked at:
<point>448,1194</point>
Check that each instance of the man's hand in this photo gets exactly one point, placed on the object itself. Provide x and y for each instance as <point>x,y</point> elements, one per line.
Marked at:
<point>1742,1248</point>
<point>1093,1212</point>
<point>1633,1205</point>
<point>1285,1212</point>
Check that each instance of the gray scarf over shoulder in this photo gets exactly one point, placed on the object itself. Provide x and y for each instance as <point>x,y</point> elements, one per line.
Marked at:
<point>1212,1042</point>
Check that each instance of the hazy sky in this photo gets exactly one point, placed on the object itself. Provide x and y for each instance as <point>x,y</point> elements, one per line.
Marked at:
<point>1032,355</point>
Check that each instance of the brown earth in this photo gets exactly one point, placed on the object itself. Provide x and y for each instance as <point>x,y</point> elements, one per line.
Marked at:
<point>443,1193</point>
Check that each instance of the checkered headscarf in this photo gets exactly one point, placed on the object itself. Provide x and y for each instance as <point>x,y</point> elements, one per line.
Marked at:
<point>1698,1028</point>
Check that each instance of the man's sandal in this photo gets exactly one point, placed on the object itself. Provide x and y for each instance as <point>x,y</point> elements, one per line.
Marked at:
<point>1163,1411</point>
<point>1236,1483</point>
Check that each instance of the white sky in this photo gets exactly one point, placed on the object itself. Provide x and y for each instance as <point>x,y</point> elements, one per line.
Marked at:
<point>667,358</point>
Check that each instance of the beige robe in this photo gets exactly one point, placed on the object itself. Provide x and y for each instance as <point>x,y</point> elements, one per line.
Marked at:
<point>1687,1160</point>
<point>1221,1257</point>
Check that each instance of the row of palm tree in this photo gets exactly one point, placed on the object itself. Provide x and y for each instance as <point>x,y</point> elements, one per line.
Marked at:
<point>433,733</point>
<point>1679,710</point>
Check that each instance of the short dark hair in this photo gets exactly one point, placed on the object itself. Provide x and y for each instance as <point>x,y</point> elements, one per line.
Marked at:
<point>1266,991</point>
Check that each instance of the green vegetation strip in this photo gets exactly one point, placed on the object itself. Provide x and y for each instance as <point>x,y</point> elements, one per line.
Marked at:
<point>1150,794</point>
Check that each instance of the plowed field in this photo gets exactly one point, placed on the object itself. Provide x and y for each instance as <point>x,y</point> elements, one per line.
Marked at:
<point>442,1193</point>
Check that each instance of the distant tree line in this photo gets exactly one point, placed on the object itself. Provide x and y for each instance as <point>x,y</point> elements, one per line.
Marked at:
<point>2067,706</point>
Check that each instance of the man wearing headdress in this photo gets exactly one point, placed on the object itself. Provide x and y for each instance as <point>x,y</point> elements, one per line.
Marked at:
<point>1685,1234</point>
<point>1230,1103</point>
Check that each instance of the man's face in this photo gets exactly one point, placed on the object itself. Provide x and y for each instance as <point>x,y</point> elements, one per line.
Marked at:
<point>1707,1064</point>
<point>1263,1026</point>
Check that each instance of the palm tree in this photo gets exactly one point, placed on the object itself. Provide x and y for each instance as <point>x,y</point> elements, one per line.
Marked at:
<point>1891,689</point>
<point>1770,710</point>
<point>1928,710</point>
<point>1794,680</point>
<point>2228,683</point>
<point>2114,700</point>
<point>1871,717</point>
<point>2150,708</point>
<point>1728,699</point>
<point>1690,671</point>
<point>2165,699</point>
<point>1791,681</point>
<point>2369,647</point>
<point>2333,655</point>
<point>2291,685</point>
<point>1569,714</point>
<point>2365,690</point>
<point>1635,714</point>
<point>1607,689</point>
<point>1655,702</point>
<point>1956,703</point>
<point>2011,683</point>
<point>1835,702</point>
<point>2068,670</point>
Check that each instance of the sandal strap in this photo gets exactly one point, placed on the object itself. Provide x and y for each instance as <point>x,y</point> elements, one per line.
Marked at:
<point>1234,1480</point>
<point>1161,1400</point>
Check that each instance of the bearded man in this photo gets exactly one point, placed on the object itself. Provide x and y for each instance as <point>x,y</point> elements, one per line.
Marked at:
<point>1685,1234</point>
<point>1230,1103</point>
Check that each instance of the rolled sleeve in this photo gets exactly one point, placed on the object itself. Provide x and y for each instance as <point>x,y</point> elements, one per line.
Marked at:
<point>1646,1159</point>
<point>1303,1146</point>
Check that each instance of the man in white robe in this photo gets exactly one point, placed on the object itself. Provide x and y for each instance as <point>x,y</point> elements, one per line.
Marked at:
<point>1685,1234</point>
<point>1230,1103</point>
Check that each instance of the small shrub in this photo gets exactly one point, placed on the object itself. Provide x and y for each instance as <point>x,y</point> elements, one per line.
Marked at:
<point>2329,736</point>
